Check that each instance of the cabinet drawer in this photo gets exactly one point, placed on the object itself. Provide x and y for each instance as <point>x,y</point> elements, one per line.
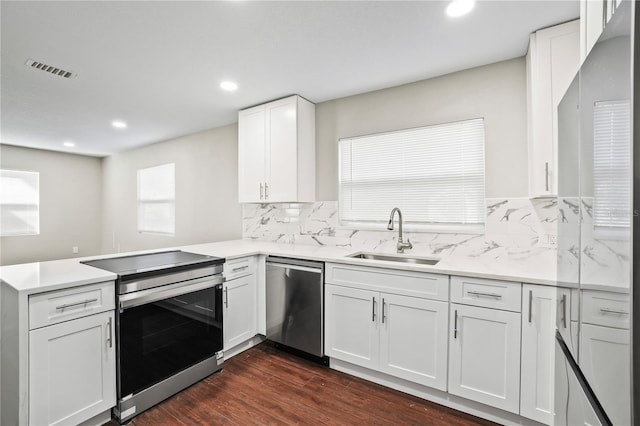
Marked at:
<point>605,308</point>
<point>63,305</point>
<point>241,267</point>
<point>408,283</point>
<point>486,293</point>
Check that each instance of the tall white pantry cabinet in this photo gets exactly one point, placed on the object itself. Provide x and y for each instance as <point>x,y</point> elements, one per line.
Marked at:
<point>553,59</point>
<point>276,152</point>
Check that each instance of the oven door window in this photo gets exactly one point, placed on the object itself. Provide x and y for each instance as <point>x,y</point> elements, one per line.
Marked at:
<point>160,339</point>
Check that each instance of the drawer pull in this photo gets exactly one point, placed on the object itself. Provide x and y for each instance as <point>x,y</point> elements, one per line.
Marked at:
<point>613,311</point>
<point>242,268</point>
<point>455,324</point>
<point>546,176</point>
<point>481,294</point>
<point>110,338</point>
<point>68,305</point>
<point>373,310</point>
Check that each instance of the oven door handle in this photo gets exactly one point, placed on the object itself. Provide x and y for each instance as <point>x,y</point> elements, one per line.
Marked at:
<point>159,293</point>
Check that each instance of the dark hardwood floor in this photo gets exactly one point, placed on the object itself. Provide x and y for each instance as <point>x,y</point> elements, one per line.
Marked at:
<point>265,386</point>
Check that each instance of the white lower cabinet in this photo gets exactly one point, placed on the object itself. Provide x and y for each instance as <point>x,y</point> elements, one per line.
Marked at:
<point>351,328</point>
<point>413,339</point>
<point>239,300</point>
<point>604,357</point>
<point>399,335</point>
<point>539,313</point>
<point>72,370</point>
<point>484,358</point>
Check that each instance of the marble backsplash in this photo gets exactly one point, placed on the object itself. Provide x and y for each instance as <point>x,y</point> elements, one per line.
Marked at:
<point>595,257</point>
<point>517,232</point>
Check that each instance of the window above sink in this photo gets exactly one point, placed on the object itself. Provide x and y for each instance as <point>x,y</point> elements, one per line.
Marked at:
<point>434,174</point>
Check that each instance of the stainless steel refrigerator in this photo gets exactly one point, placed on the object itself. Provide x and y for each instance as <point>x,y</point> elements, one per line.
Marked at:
<point>598,223</point>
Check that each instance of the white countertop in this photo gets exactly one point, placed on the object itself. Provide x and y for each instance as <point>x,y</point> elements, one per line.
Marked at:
<point>30,278</point>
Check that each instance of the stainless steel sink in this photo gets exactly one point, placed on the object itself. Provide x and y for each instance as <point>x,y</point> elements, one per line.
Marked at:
<point>395,258</point>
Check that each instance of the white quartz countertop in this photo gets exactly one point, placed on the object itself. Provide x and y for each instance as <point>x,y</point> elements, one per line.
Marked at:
<point>39,277</point>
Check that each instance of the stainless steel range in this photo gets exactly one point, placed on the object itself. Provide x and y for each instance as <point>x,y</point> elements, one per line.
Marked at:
<point>168,325</point>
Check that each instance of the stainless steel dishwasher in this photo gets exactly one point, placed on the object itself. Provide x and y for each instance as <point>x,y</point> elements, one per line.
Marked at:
<point>295,304</point>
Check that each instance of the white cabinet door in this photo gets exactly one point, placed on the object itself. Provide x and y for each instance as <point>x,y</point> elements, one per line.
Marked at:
<point>239,301</point>
<point>591,25</point>
<point>282,156</point>
<point>484,358</point>
<point>552,62</point>
<point>602,351</point>
<point>413,339</point>
<point>276,152</point>
<point>538,344</point>
<point>351,325</point>
<point>251,154</point>
<point>72,373</point>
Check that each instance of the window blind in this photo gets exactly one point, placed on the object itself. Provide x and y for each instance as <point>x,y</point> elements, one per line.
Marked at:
<point>19,203</point>
<point>156,199</point>
<point>434,174</point>
<point>612,164</point>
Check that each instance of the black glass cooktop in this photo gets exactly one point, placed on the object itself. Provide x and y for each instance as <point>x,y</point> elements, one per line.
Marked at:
<point>152,262</point>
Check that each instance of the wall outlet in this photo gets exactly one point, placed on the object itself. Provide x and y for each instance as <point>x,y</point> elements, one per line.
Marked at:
<point>74,249</point>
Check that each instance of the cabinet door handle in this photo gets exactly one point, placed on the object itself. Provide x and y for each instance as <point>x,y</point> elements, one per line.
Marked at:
<point>546,176</point>
<point>383,316</point>
<point>613,311</point>
<point>455,324</point>
<point>564,310</point>
<point>266,191</point>
<point>110,338</point>
<point>373,310</point>
<point>261,191</point>
<point>481,294</point>
<point>530,303</point>
<point>84,302</point>
<point>226,297</point>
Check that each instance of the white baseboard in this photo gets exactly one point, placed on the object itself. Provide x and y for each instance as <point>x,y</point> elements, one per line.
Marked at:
<point>433,395</point>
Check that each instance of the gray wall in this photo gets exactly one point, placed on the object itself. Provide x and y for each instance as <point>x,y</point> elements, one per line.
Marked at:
<point>207,209</point>
<point>75,189</point>
<point>70,205</point>
<point>496,92</point>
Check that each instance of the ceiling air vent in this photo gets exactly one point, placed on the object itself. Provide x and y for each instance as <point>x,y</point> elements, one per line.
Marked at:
<point>49,68</point>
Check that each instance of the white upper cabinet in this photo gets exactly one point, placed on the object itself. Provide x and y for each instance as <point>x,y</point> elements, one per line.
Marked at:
<point>276,152</point>
<point>594,14</point>
<point>553,60</point>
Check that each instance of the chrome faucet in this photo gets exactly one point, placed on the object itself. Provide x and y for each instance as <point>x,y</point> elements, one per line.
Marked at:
<point>401,244</point>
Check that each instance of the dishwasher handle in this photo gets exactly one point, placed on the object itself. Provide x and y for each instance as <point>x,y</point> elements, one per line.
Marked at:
<point>295,267</point>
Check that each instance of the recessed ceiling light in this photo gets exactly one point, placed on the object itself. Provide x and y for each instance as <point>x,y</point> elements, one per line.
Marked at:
<point>459,7</point>
<point>119,124</point>
<point>69,144</point>
<point>228,86</point>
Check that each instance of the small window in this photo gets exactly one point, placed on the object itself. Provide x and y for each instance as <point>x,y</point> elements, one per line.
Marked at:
<point>156,199</point>
<point>612,167</point>
<point>434,174</point>
<point>19,203</point>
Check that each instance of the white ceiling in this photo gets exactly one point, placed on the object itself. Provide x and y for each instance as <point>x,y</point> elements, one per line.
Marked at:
<point>158,65</point>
